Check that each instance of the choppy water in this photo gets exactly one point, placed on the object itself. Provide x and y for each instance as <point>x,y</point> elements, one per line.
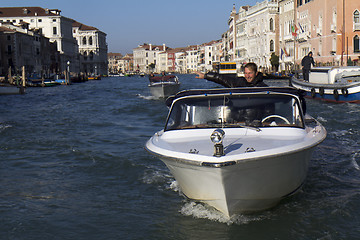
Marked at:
<point>73,166</point>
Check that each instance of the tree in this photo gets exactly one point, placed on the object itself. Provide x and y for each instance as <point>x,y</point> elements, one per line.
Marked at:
<point>152,66</point>
<point>274,60</point>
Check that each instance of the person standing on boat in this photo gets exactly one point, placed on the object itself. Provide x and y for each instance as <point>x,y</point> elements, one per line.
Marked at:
<point>306,63</point>
<point>252,78</point>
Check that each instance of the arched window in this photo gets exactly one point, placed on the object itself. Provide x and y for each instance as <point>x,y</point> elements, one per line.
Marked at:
<point>356,17</point>
<point>271,45</point>
<point>85,55</point>
<point>84,41</point>
<point>91,55</point>
<point>271,24</point>
<point>356,44</point>
<point>90,41</point>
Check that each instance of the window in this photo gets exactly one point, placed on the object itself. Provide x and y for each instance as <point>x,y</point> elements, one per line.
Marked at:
<point>356,17</point>
<point>271,24</point>
<point>234,111</point>
<point>40,20</point>
<point>54,30</point>
<point>54,20</point>
<point>271,46</point>
<point>90,41</point>
<point>84,41</point>
<point>356,21</point>
<point>356,44</point>
<point>9,49</point>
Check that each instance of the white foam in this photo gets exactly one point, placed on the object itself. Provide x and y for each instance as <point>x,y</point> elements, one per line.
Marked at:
<point>354,162</point>
<point>4,126</point>
<point>199,210</point>
<point>147,97</point>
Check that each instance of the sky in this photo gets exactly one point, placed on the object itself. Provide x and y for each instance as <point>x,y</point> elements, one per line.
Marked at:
<point>130,23</point>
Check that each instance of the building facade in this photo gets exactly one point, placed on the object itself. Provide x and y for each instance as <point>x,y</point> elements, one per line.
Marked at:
<point>92,49</point>
<point>21,47</point>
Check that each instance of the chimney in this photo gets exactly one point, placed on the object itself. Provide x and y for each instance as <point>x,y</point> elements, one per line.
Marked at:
<point>164,47</point>
<point>150,47</point>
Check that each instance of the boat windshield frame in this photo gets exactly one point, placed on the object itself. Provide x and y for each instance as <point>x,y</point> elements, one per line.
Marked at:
<point>232,110</point>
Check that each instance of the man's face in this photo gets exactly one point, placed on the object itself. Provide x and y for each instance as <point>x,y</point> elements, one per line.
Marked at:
<point>249,75</point>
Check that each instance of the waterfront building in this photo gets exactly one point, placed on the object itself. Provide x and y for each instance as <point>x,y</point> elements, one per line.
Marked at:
<point>92,49</point>
<point>180,61</point>
<point>145,55</point>
<point>229,37</point>
<point>20,47</point>
<point>114,62</point>
<point>241,49</point>
<point>126,64</point>
<point>255,37</point>
<point>316,25</point>
<point>209,55</point>
<point>261,31</point>
<point>286,35</point>
<point>161,62</point>
<point>48,22</point>
<point>192,58</point>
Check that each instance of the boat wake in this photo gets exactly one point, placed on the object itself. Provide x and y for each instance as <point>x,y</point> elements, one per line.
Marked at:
<point>147,97</point>
<point>202,211</point>
<point>4,126</point>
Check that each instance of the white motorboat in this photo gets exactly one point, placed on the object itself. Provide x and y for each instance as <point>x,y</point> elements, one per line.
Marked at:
<point>331,84</point>
<point>164,86</point>
<point>238,150</point>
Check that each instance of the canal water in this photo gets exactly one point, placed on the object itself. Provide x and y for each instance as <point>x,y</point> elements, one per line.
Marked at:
<point>73,166</point>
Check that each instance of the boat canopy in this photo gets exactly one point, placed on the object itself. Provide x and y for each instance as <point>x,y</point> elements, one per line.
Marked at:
<point>243,107</point>
<point>221,91</point>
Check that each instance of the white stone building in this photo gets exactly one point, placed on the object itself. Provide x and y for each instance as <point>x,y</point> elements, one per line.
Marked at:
<point>286,39</point>
<point>50,23</point>
<point>192,58</point>
<point>261,33</point>
<point>146,54</point>
<point>92,48</point>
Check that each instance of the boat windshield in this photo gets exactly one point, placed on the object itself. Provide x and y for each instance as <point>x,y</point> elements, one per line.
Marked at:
<point>228,111</point>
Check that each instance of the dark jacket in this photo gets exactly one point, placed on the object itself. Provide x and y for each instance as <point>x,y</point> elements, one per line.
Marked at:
<point>232,81</point>
<point>307,61</point>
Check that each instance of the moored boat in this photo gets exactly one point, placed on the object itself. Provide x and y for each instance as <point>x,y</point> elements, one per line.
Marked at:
<point>238,150</point>
<point>7,89</point>
<point>331,84</point>
<point>163,86</point>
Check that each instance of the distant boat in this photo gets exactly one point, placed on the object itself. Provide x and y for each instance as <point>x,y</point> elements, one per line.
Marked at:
<point>98,77</point>
<point>331,84</point>
<point>7,89</point>
<point>163,86</point>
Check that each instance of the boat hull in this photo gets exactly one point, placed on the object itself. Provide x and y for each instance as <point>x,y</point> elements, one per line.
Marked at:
<point>339,93</point>
<point>11,90</point>
<point>245,186</point>
<point>240,181</point>
<point>164,89</point>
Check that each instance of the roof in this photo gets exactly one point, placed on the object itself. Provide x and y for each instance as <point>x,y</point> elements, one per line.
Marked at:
<point>27,12</point>
<point>83,27</point>
<point>5,29</point>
